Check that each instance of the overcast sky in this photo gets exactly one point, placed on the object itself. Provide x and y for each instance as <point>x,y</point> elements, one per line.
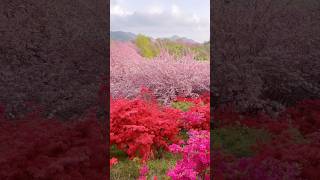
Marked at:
<point>162,18</point>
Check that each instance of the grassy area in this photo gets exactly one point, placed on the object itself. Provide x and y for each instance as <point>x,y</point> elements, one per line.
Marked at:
<point>239,140</point>
<point>183,106</point>
<point>129,169</point>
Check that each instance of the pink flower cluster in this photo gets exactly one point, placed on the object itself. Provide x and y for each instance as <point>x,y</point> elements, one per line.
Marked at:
<point>197,118</point>
<point>196,157</point>
<point>192,117</point>
<point>143,172</point>
<point>164,75</point>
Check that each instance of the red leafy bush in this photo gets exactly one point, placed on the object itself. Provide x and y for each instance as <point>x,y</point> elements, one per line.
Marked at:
<point>305,115</point>
<point>36,148</point>
<point>229,117</point>
<point>204,98</point>
<point>140,127</point>
<point>198,117</point>
<point>306,155</point>
<point>269,168</point>
<point>198,114</point>
<point>293,152</point>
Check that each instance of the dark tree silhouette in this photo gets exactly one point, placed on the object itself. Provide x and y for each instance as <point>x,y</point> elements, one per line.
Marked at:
<point>52,53</point>
<point>265,53</point>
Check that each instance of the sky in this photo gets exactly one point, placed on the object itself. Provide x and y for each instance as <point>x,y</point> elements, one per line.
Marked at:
<point>162,18</point>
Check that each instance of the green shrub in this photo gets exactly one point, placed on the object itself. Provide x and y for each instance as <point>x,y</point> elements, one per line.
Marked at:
<point>201,52</point>
<point>176,50</point>
<point>146,47</point>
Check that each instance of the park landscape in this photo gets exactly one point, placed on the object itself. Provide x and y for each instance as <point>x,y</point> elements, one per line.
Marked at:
<point>160,109</point>
<point>262,122</point>
<point>160,121</point>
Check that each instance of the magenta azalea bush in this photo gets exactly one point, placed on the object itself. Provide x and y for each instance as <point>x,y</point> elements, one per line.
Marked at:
<point>195,163</point>
<point>166,76</point>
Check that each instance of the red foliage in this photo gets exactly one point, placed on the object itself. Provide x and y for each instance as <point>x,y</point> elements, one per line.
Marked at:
<point>203,98</point>
<point>305,115</point>
<point>36,148</point>
<point>306,155</point>
<point>198,115</point>
<point>140,127</point>
<point>298,156</point>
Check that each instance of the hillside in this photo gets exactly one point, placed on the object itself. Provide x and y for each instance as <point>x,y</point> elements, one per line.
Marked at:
<point>122,36</point>
<point>129,36</point>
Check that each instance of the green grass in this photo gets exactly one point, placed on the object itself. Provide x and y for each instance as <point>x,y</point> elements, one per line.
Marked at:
<point>125,169</point>
<point>129,169</point>
<point>183,106</point>
<point>238,140</point>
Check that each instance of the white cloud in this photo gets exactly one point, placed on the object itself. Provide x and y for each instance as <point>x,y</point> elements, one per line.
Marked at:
<point>117,10</point>
<point>155,9</point>
<point>159,22</point>
<point>175,10</point>
<point>195,18</point>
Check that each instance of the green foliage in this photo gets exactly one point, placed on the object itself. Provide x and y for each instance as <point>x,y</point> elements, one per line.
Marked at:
<point>115,152</point>
<point>239,140</point>
<point>146,46</point>
<point>183,106</point>
<point>184,134</point>
<point>177,50</point>
<point>202,52</point>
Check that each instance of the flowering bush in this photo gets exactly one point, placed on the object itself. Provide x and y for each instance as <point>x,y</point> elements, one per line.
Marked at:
<point>291,153</point>
<point>37,148</point>
<point>303,153</point>
<point>269,168</point>
<point>140,127</point>
<point>196,157</point>
<point>195,112</point>
<point>165,76</point>
<point>305,115</point>
<point>143,172</point>
<point>197,117</point>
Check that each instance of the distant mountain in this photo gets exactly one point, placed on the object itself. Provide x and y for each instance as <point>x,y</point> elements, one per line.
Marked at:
<point>183,39</point>
<point>128,36</point>
<point>122,36</point>
<point>175,37</point>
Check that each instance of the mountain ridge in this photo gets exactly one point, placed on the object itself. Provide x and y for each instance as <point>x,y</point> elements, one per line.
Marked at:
<point>129,36</point>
